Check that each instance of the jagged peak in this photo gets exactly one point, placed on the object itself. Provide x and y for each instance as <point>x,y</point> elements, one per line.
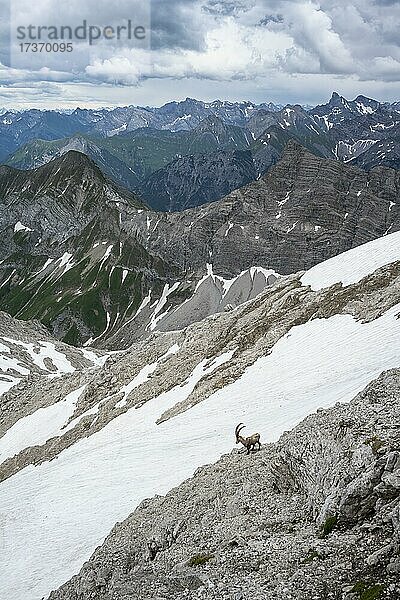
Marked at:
<point>337,99</point>
<point>361,98</point>
<point>70,167</point>
<point>71,159</point>
<point>292,145</point>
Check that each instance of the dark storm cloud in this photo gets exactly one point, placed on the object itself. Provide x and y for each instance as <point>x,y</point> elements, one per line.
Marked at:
<point>174,25</point>
<point>294,45</point>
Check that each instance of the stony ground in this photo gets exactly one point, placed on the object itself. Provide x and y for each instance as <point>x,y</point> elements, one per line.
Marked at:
<point>315,516</point>
<point>250,331</point>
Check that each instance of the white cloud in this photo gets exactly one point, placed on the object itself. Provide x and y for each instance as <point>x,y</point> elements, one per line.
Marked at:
<point>261,42</point>
<point>232,51</point>
<point>313,32</point>
<point>385,68</point>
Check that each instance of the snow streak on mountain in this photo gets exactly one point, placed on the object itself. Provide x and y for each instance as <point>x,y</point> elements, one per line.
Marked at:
<point>122,433</point>
<point>165,274</point>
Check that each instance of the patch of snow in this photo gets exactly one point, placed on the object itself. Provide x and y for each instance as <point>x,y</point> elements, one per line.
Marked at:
<point>19,227</point>
<point>8,363</point>
<point>155,317</point>
<point>364,110</point>
<point>286,198</point>
<point>74,422</point>
<point>143,376</point>
<point>101,479</point>
<point>292,227</point>
<point>46,264</point>
<point>117,130</point>
<point>40,426</point>
<point>328,124</point>
<point>98,361</point>
<point>6,383</point>
<point>44,350</point>
<point>106,255</point>
<point>65,261</point>
<point>351,266</point>
<point>230,225</point>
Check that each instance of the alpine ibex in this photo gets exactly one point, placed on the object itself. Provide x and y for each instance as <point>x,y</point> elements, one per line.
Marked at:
<point>248,442</point>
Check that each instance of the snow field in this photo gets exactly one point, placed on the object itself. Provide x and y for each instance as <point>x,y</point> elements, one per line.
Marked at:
<point>351,266</point>
<point>64,508</point>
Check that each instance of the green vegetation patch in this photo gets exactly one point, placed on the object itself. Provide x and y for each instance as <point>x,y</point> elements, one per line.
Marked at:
<point>329,525</point>
<point>375,442</point>
<point>368,591</point>
<point>200,559</point>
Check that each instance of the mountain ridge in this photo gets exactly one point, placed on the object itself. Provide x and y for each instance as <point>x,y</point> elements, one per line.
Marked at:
<point>72,249</point>
<point>361,130</point>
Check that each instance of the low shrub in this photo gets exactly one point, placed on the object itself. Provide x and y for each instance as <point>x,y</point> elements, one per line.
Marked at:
<point>368,591</point>
<point>329,525</point>
<point>200,559</point>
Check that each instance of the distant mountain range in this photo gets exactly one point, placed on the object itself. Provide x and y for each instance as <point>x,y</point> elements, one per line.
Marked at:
<point>164,275</point>
<point>17,128</point>
<point>189,153</point>
<point>91,262</point>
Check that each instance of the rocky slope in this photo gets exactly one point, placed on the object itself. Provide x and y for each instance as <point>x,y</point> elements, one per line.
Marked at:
<point>38,152</point>
<point>199,179</point>
<point>385,152</point>
<point>315,515</point>
<point>68,260</point>
<point>88,259</point>
<point>80,453</point>
<point>304,210</point>
<point>65,259</point>
<point>27,350</point>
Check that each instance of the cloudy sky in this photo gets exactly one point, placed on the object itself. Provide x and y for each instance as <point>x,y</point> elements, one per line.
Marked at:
<point>260,50</point>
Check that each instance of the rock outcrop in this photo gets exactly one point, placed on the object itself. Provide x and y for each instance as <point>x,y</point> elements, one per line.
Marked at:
<point>199,179</point>
<point>80,452</point>
<point>316,515</point>
<point>305,210</point>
